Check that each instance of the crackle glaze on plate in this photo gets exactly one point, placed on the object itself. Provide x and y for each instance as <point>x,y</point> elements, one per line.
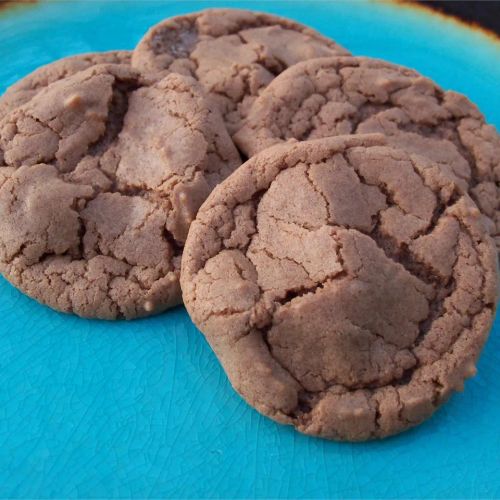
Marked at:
<point>142,409</point>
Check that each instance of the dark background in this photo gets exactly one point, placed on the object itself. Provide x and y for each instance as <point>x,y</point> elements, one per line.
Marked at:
<point>486,14</point>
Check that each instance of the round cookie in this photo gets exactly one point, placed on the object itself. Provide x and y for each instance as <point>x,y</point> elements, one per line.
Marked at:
<point>101,174</point>
<point>347,287</point>
<point>334,96</point>
<point>26,88</point>
<point>232,53</point>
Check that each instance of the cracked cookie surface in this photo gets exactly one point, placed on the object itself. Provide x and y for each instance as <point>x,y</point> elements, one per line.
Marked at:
<point>345,95</point>
<point>26,88</point>
<point>346,286</point>
<point>232,53</point>
<point>101,174</point>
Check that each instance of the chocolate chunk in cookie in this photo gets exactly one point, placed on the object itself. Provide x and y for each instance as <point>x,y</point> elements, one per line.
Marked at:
<point>346,286</point>
<point>26,88</point>
<point>334,96</point>
<point>101,174</point>
<point>232,53</point>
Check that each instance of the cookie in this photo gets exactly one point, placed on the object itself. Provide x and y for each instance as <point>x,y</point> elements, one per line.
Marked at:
<point>346,286</point>
<point>333,96</point>
<point>101,174</point>
<point>26,88</point>
<point>232,53</point>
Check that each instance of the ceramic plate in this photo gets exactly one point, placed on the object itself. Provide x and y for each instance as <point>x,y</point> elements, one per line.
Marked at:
<point>142,409</point>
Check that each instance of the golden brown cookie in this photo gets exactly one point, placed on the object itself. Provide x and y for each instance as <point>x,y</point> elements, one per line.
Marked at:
<point>101,174</point>
<point>347,287</point>
<point>334,96</point>
<point>232,53</point>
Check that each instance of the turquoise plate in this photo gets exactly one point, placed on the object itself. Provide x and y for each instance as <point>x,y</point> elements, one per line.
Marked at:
<point>142,409</point>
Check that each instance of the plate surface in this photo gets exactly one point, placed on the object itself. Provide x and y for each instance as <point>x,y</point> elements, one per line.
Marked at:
<point>142,409</point>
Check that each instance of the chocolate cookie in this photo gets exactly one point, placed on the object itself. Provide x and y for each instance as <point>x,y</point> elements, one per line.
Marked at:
<point>26,88</point>
<point>233,53</point>
<point>101,174</point>
<point>333,96</point>
<point>347,287</point>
